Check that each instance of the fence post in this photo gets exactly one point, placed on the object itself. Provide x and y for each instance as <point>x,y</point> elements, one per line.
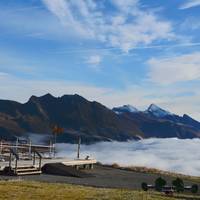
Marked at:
<point>10,159</point>
<point>15,165</point>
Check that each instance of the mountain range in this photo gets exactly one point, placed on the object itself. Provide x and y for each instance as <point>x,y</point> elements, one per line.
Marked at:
<point>91,120</point>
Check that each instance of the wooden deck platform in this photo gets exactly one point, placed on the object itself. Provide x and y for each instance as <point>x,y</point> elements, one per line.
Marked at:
<point>58,166</point>
<point>65,161</point>
<point>16,159</point>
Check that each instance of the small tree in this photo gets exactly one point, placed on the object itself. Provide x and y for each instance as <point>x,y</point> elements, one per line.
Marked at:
<point>178,184</point>
<point>159,184</point>
<point>144,186</point>
<point>194,188</point>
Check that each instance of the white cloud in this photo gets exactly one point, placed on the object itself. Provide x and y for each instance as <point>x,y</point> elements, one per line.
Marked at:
<point>165,154</point>
<point>10,87</point>
<point>178,69</point>
<point>191,23</point>
<point>190,4</point>
<point>126,27</point>
<point>178,99</point>
<point>3,74</point>
<point>94,60</point>
<point>33,22</point>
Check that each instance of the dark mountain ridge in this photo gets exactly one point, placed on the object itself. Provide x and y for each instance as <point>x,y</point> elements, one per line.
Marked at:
<point>91,120</point>
<point>78,116</point>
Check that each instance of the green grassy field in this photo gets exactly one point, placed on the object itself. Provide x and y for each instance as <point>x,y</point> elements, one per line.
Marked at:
<point>24,190</point>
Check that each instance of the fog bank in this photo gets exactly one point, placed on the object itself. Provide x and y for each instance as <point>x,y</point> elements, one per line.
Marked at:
<point>181,156</point>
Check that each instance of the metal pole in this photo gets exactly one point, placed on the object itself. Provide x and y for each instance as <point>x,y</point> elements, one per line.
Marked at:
<point>17,143</point>
<point>1,148</point>
<point>79,145</point>
<point>10,159</point>
<point>50,148</point>
<point>34,158</point>
<point>29,148</point>
<point>55,144</point>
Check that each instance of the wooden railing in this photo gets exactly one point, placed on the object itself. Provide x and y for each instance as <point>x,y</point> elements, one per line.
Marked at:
<point>34,158</point>
<point>13,152</point>
<point>6,146</point>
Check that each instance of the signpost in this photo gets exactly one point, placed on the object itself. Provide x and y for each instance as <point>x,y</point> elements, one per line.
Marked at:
<point>56,130</point>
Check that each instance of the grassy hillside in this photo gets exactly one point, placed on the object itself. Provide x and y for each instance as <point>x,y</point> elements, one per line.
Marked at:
<point>156,171</point>
<point>22,190</point>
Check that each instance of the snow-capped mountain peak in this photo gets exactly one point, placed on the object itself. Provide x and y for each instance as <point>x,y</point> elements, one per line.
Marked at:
<point>157,111</point>
<point>130,108</point>
<point>125,108</point>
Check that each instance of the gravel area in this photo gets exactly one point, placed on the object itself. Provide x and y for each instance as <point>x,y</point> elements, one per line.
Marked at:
<point>102,176</point>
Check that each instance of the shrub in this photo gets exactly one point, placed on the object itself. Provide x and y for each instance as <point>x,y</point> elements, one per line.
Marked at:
<point>159,184</point>
<point>115,165</point>
<point>144,186</point>
<point>178,184</point>
<point>194,188</point>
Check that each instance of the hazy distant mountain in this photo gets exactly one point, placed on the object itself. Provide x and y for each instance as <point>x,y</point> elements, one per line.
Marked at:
<point>156,111</point>
<point>91,120</point>
<point>157,122</point>
<point>125,108</point>
<point>152,110</point>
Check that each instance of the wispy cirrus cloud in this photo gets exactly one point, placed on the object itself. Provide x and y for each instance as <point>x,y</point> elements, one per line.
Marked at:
<point>190,23</point>
<point>32,22</point>
<point>3,74</point>
<point>171,70</point>
<point>190,4</point>
<point>94,61</point>
<point>126,27</point>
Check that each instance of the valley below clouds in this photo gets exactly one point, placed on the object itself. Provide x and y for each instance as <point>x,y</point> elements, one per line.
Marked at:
<point>172,154</point>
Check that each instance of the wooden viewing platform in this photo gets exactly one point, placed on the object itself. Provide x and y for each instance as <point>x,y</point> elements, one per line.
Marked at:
<point>26,167</point>
<point>65,161</point>
<point>26,159</point>
<point>5,146</point>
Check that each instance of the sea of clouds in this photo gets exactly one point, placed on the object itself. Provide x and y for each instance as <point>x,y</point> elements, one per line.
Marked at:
<point>175,155</point>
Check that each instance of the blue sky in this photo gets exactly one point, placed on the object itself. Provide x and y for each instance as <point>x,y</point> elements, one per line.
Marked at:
<point>116,52</point>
